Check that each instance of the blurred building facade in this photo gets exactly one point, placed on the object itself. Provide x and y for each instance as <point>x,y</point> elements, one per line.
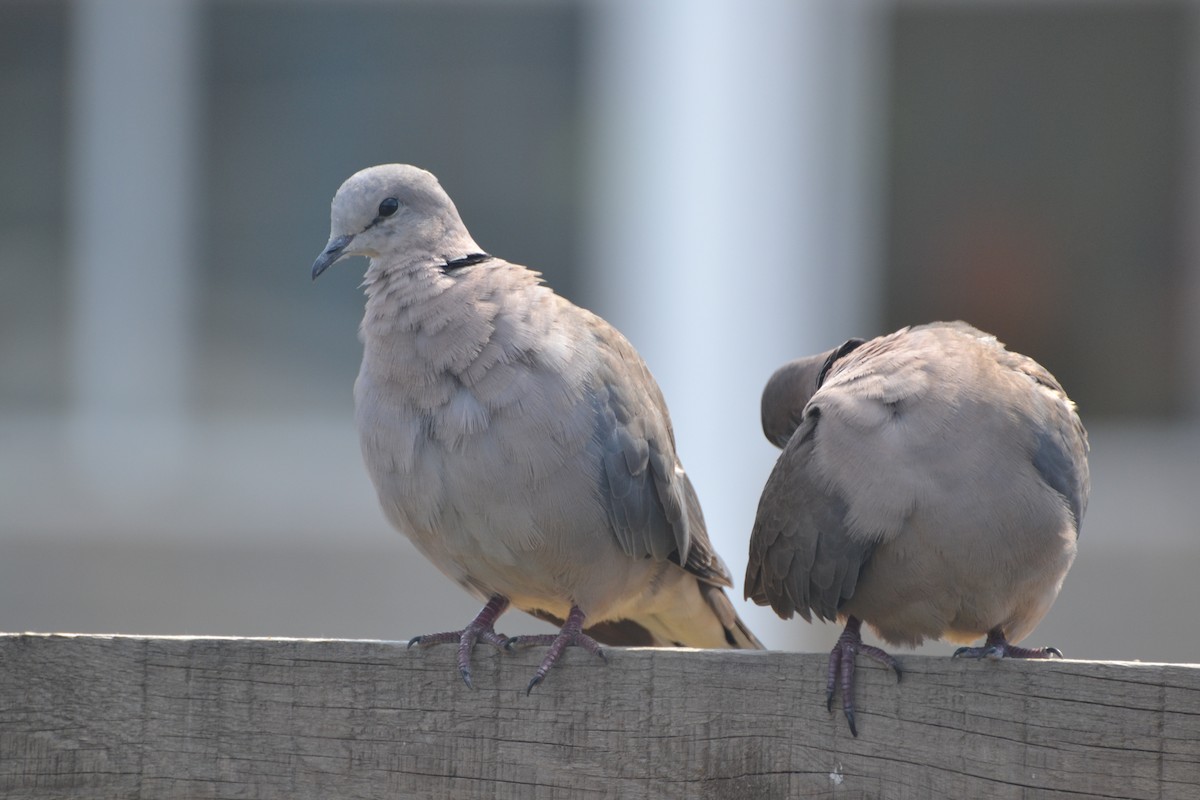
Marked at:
<point>732,184</point>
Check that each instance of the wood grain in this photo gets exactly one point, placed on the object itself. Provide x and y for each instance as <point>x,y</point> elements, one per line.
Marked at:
<point>175,717</point>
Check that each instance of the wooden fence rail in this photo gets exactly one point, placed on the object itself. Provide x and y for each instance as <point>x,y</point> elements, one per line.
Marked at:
<point>176,717</point>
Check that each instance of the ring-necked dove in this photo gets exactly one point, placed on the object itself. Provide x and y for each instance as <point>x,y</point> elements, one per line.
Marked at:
<point>518,440</point>
<point>931,484</point>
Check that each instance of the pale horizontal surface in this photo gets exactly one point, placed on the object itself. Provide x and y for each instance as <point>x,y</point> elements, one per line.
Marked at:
<point>112,717</point>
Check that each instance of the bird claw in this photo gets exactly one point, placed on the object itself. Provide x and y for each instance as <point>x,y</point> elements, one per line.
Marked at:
<point>841,669</point>
<point>997,647</point>
<point>571,635</point>
<point>883,657</point>
<point>444,637</point>
<point>849,712</point>
<point>480,629</point>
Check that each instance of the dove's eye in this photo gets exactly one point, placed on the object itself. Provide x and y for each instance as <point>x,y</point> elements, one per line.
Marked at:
<point>388,207</point>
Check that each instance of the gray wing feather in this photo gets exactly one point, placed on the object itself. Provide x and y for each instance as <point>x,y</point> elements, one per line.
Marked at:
<point>1063,466</point>
<point>801,558</point>
<point>651,502</point>
<point>624,489</point>
<point>1060,447</point>
<point>638,483</point>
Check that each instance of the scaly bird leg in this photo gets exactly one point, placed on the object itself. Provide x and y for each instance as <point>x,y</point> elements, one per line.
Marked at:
<point>481,629</point>
<point>571,634</point>
<point>997,647</point>
<point>841,667</point>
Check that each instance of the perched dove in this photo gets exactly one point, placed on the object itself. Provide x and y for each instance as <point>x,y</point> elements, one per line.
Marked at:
<point>931,484</point>
<point>518,440</point>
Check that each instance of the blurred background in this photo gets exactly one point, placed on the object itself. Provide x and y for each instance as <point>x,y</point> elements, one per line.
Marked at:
<point>732,183</point>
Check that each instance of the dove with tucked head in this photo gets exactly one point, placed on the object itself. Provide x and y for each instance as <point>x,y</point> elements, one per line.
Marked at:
<point>932,484</point>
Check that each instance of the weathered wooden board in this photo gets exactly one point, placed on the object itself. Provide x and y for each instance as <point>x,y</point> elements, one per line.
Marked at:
<point>132,717</point>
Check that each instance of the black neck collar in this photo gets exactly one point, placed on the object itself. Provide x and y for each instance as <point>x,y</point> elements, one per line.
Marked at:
<point>465,261</point>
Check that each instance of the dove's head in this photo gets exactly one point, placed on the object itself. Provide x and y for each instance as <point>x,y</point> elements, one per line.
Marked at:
<point>393,210</point>
<point>791,387</point>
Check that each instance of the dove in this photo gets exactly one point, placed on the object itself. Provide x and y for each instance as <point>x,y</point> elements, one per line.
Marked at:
<point>518,440</point>
<point>931,484</point>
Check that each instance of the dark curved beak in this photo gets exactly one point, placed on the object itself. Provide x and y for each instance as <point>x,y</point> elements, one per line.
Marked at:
<point>333,251</point>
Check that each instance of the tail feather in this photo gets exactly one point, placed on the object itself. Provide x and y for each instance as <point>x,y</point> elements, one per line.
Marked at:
<point>736,632</point>
<point>693,613</point>
<point>677,618</point>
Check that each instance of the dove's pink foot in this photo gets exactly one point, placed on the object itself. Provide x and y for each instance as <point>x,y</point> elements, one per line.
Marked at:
<point>481,629</point>
<point>841,667</point>
<point>997,647</point>
<point>571,634</point>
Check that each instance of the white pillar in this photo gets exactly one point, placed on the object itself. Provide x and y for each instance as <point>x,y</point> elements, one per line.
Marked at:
<point>733,216</point>
<point>132,211</point>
